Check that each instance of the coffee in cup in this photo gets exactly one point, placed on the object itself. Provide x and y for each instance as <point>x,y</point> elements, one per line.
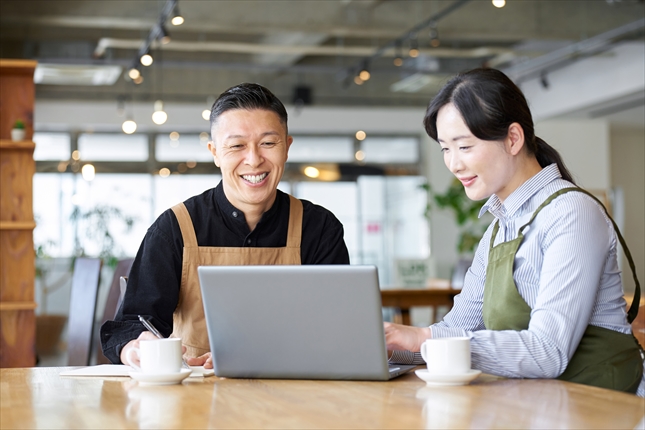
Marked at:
<point>447,355</point>
<point>158,356</point>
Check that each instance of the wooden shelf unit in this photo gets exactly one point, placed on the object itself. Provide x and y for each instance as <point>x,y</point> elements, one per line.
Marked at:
<point>17,257</point>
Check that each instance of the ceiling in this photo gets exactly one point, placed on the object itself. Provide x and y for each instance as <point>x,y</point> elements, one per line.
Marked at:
<point>318,45</point>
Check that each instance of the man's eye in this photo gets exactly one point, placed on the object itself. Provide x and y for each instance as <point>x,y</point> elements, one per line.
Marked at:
<point>269,143</point>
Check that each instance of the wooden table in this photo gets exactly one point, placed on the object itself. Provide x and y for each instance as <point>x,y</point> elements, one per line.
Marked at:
<point>39,398</point>
<point>406,298</point>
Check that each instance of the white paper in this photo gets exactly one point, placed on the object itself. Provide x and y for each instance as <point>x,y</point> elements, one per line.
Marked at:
<point>123,370</point>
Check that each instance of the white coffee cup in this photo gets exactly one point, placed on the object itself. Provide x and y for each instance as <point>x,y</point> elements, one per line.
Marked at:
<point>447,355</point>
<point>158,356</point>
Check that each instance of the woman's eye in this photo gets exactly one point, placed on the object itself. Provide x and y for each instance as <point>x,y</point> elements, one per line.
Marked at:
<point>444,149</point>
<point>463,148</point>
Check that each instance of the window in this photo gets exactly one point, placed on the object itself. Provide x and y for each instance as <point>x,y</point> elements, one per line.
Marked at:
<point>51,146</point>
<point>113,147</point>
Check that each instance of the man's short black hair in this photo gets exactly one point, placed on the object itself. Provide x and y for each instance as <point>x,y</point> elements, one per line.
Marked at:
<point>248,96</point>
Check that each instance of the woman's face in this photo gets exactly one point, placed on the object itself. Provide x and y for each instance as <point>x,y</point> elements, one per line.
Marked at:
<point>484,167</point>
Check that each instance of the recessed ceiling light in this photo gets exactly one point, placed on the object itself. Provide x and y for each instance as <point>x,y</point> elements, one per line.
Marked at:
<point>76,74</point>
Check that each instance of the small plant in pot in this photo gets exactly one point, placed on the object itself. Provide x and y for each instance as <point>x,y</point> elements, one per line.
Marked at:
<point>18,130</point>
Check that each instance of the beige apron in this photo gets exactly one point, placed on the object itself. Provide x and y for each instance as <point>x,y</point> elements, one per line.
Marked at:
<point>188,319</point>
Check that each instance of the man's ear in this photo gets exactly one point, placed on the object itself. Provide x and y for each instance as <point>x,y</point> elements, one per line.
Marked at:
<point>515,138</point>
<point>213,150</point>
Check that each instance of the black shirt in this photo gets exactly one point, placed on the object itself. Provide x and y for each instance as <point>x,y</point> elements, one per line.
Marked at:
<point>155,277</point>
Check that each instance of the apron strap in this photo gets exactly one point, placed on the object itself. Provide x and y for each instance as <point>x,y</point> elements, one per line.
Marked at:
<point>633,308</point>
<point>294,232</point>
<point>185,224</point>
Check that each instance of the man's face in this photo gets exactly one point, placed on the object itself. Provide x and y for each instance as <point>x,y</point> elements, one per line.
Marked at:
<point>250,147</point>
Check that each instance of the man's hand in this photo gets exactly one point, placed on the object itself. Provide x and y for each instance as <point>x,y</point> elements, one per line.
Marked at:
<point>404,337</point>
<point>134,358</point>
<point>205,360</point>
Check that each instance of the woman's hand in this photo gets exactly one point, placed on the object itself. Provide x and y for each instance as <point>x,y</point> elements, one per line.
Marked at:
<point>205,360</point>
<point>404,337</point>
<point>134,358</point>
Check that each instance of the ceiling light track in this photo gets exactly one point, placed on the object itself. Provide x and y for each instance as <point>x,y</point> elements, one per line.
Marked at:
<point>410,36</point>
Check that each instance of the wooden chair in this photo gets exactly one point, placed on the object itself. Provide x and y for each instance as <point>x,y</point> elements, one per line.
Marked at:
<point>85,287</point>
<point>114,299</point>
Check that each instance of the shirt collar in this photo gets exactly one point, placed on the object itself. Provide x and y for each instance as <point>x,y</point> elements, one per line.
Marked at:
<point>235,215</point>
<point>522,194</point>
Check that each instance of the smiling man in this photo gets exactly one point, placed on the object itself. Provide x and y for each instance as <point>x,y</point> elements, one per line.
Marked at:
<point>245,220</point>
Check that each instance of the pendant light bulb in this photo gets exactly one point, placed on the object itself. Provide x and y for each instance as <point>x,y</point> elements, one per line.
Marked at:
<point>159,117</point>
<point>146,59</point>
<point>129,126</point>
<point>134,73</point>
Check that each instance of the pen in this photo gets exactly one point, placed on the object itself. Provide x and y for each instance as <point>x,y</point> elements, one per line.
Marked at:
<point>152,329</point>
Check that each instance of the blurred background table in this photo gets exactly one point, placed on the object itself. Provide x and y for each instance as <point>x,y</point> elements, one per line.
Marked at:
<point>37,398</point>
<point>438,293</point>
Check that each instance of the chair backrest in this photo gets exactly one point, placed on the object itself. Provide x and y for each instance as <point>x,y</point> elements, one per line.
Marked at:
<point>114,299</point>
<point>85,287</point>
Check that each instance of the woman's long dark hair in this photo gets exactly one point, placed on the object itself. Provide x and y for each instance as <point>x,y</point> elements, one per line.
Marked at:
<point>489,102</point>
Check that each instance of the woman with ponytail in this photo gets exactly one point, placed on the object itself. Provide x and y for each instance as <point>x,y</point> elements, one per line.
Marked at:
<point>543,297</point>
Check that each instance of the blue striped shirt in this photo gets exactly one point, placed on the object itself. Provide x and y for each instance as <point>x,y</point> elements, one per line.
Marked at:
<point>566,270</point>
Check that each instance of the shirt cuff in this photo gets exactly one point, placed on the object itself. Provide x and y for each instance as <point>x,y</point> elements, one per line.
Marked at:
<point>438,332</point>
<point>406,357</point>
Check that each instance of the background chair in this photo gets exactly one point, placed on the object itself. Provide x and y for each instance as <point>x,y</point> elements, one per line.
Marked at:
<point>85,286</point>
<point>114,299</point>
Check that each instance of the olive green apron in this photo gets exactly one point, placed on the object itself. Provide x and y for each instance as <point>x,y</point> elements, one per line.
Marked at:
<point>604,358</point>
<point>189,322</point>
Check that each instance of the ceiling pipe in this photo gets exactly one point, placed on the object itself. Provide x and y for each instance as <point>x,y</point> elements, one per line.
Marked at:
<point>255,48</point>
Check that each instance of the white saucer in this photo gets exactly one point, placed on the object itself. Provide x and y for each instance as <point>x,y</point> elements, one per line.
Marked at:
<point>460,379</point>
<point>161,379</point>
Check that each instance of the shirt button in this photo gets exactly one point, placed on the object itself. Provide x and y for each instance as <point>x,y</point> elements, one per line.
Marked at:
<point>234,214</point>
<point>248,241</point>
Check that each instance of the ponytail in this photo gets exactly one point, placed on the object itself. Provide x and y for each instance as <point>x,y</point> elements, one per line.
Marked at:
<point>546,154</point>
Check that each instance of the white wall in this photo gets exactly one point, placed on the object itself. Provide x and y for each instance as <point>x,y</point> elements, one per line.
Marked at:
<point>628,173</point>
<point>584,147</point>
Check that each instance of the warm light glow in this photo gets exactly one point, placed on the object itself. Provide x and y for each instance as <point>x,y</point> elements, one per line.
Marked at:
<point>174,135</point>
<point>191,164</point>
<point>311,172</point>
<point>77,199</point>
<point>62,166</point>
<point>360,155</point>
<point>177,20</point>
<point>134,73</point>
<point>138,80</point>
<point>364,75</point>
<point>206,114</point>
<point>76,155</point>
<point>435,43</point>
<point>358,80</point>
<point>499,3</point>
<point>164,172</point>
<point>159,117</point>
<point>129,126</point>
<point>398,61</point>
<point>165,40</point>
<point>361,135</point>
<point>414,53</point>
<point>146,59</point>
<point>203,137</point>
<point>88,172</point>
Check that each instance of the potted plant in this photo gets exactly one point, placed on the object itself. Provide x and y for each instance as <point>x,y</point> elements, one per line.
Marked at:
<point>18,130</point>
<point>466,216</point>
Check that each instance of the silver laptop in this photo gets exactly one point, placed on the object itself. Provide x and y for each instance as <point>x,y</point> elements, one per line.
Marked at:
<point>296,322</point>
